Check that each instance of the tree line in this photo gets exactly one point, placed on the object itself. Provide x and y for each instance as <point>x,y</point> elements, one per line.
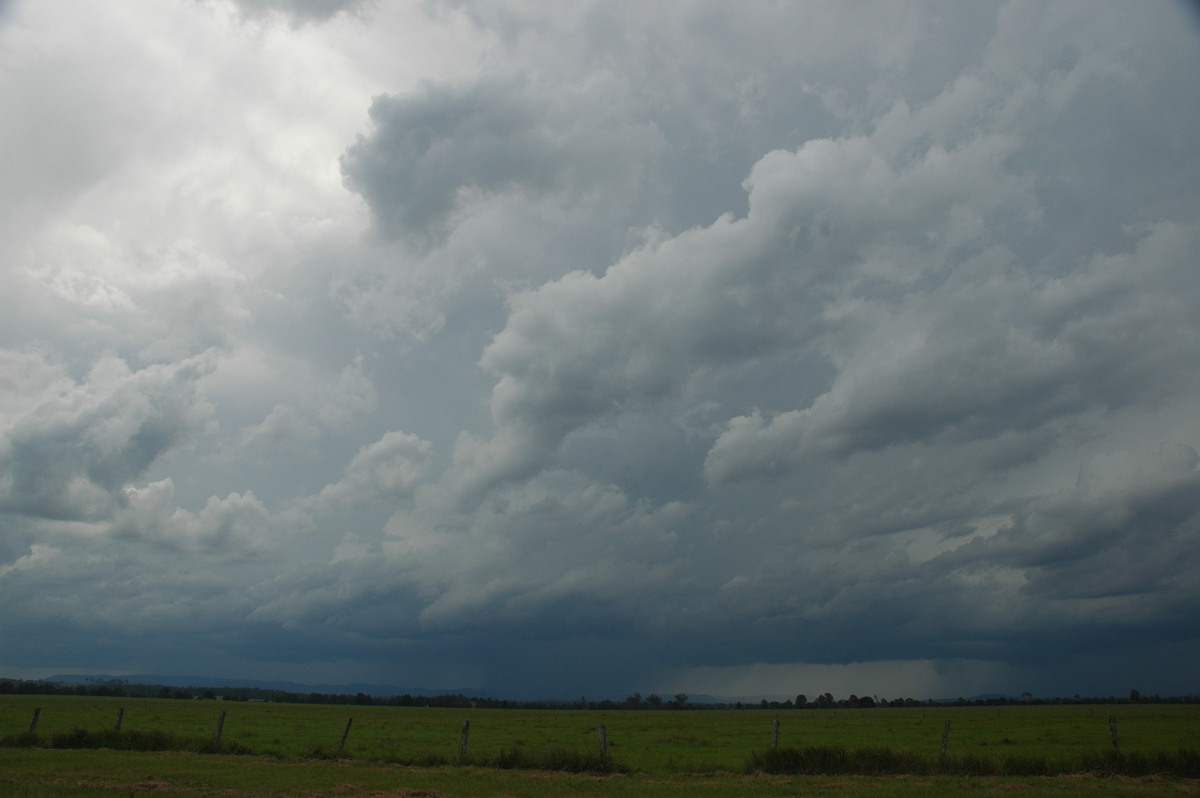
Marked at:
<point>120,688</point>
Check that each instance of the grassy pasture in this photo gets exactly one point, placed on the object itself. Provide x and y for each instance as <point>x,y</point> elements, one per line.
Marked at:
<point>667,752</point>
<point>42,773</point>
<point>650,740</point>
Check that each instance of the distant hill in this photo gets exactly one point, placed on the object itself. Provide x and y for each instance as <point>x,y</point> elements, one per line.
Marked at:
<point>213,682</point>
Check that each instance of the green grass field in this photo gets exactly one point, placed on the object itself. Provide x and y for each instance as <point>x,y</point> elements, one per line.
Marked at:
<point>292,749</point>
<point>40,773</point>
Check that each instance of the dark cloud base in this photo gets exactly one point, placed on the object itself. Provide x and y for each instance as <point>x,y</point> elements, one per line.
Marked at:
<point>735,350</point>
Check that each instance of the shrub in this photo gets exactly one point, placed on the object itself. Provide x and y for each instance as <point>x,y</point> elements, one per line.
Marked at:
<point>834,759</point>
<point>830,760</point>
<point>124,741</point>
<point>557,759</point>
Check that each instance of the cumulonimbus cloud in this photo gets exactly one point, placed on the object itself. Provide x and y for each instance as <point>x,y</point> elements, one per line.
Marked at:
<point>71,455</point>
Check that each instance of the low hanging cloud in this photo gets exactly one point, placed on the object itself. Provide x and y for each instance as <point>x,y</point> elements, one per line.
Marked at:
<point>588,555</point>
<point>426,152</point>
<point>301,10</point>
<point>383,472</point>
<point>549,349</point>
<point>1037,350</point>
<point>670,315</point>
<point>236,525</point>
<point>1129,528</point>
<point>298,426</point>
<point>70,456</point>
<point>481,185</point>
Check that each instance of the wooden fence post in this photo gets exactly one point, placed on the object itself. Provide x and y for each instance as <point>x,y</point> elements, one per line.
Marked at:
<point>466,733</point>
<point>220,727</point>
<point>120,717</point>
<point>1112,730</point>
<point>775,734</point>
<point>33,723</point>
<point>345,734</point>
<point>603,741</point>
<point>945,736</point>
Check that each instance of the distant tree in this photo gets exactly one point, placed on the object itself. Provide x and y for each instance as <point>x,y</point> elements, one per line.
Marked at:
<point>634,700</point>
<point>1135,696</point>
<point>654,700</point>
<point>680,700</point>
<point>802,700</point>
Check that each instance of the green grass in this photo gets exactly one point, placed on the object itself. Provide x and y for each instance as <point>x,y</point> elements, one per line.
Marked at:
<point>293,749</point>
<point>832,759</point>
<point>123,741</point>
<point>45,773</point>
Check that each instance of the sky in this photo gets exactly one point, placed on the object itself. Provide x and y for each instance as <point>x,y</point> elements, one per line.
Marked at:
<point>550,350</point>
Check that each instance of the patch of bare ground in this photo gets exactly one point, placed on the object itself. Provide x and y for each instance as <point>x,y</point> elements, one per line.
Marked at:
<point>146,785</point>
<point>352,790</point>
<point>551,775</point>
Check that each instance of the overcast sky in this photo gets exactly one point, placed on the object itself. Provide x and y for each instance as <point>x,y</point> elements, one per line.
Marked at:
<point>561,349</point>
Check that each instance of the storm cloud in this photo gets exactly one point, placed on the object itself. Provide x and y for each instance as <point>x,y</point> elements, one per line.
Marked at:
<point>593,348</point>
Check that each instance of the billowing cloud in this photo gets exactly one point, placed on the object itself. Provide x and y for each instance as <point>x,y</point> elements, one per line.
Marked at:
<point>300,9</point>
<point>236,524</point>
<point>385,471</point>
<point>984,355</point>
<point>427,151</point>
<point>1128,528</point>
<point>702,347</point>
<point>71,455</point>
<point>288,427</point>
<point>740,289</point>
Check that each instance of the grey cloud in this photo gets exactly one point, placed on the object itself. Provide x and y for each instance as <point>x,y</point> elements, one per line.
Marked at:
<point>1129,527</point>
<point>385,471</point>
<point>394,298</point>
<point>353,397</point>
<point>38,553</point>
<point>919,261</point>
<point>237,525</point>
<point>650,336</point>
<point>477,187</point>
<point>426,152</point>
<point>987,353</point>
<point>558,540</point>
<point>285,429</point>
<point>106,594</point>
<point>27,378</point>
<point>298,426</point>
<point>670,314</point>
<point>70,457</point>
<point>302,9</point>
